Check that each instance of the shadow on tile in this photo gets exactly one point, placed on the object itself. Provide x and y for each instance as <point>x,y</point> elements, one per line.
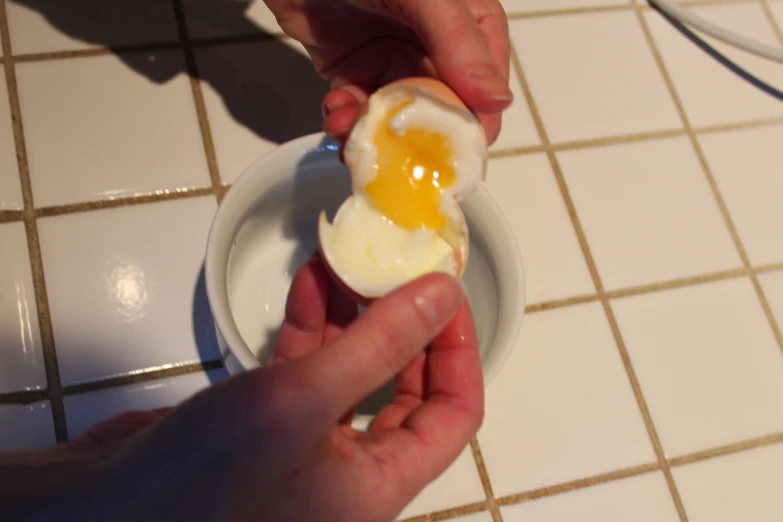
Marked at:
<point>204,326</point>
<point>257,83</point>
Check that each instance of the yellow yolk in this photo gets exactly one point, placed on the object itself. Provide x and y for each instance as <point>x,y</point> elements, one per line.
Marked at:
<point>412,172</point>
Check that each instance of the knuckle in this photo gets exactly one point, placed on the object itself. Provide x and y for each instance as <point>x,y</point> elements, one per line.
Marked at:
<point>402,333</point>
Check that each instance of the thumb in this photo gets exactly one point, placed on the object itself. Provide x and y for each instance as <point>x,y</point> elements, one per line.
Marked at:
<point>459,49</point>
<point>381,343</point>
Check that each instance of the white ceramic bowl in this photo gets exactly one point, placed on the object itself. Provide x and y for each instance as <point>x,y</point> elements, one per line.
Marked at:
<point>266,228</point>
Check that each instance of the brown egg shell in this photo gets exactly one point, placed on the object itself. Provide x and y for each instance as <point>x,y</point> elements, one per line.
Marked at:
<point>460,255</point>
<point>432,86</point>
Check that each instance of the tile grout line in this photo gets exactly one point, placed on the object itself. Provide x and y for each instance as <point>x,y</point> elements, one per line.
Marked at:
<point>602,297</point>
<point>604,478</point>
<point>582,483</point>
<point>95,51</point>
<point>141,48</point>
<point>774,267</point>
<point>263,35</point>
<point>54,387</point>
<point>21,397</point>
<point>478,459</point>
<point>11,216</point>
<point>142,376</point>
<point>728,449</point>
<point>104,204</point>
<point>448,514</point>
<point>198,100</point>
<point>634,138</point>
<point>772,20</point>
<point>544,13</point>
<point>724,210</point>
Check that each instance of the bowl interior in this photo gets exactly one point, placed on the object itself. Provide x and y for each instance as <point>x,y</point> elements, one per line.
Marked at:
<point>267,228</point>
<point>279,235</point>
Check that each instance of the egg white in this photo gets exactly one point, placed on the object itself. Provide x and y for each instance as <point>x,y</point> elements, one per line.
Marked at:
<point>372,255</point>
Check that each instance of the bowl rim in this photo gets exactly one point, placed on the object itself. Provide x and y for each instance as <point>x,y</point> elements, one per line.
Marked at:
<point>222,225</point>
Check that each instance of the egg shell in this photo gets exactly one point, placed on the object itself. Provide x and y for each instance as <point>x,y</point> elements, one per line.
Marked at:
<point>461,254</point>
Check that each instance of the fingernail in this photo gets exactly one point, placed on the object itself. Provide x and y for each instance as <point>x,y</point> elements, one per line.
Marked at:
<point>492,83</point>
<point>438,301</point>
<point>328,108</point>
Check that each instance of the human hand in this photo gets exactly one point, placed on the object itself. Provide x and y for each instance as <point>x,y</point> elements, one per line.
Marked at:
<point>268,445</point>
<point>361,45</point>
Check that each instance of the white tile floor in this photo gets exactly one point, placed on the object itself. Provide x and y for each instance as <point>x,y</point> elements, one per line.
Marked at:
<point>99,120</point>
<point>124,282</point>
<point>665,226</point>
<point>710,93</point>
<point>597,177</point>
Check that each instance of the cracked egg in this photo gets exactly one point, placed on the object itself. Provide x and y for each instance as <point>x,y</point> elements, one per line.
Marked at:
<point>413,154</point>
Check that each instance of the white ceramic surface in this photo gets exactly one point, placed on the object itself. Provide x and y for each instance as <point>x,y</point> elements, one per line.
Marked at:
<point>746,165</point>
<point>600,81</point>
<point>134,151</point>
<point>21,358</point>
<point>26,426</point>
<point>665,226</point>
<point>749,480</point>
<point>517,127</point>
<point>460,484</point>
<point>125,289</point>
<point>266,228</point>
<point>562,409</point>
<point>710,93</point>
<point>717,335</point>
<point>527,192</point>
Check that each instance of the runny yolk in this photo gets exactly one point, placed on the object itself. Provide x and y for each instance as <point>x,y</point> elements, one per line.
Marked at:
<point>412,171</point>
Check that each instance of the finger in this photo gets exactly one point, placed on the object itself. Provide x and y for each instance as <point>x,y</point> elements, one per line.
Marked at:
<point>381,343</point>
<point>341,312</point>
<point>451,363</point>
<point>409,389</point>
<point>455,384</point>
<point>341,108</point>
<point>460,51</point>
<point>336,99</point>
<point>492,126</point>
<point>437,430</point>
<point>493,23</point>
<point>354,78</point>
<point>305,313</point>
<point>339,122</point>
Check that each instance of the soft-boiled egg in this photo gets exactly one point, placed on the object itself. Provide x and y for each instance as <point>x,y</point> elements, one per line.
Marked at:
<point>413,154</point>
